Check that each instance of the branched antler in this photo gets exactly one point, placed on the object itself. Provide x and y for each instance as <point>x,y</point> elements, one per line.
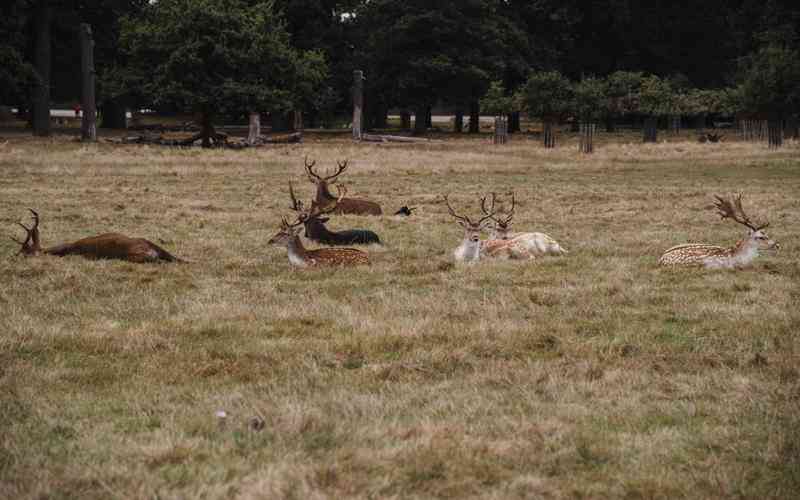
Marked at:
<point>732,209</point>
<point>31,243</point>
<point>297,205</point>
<point>462,218</point>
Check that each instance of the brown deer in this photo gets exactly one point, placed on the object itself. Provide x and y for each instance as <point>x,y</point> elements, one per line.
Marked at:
<point>103,246</point>
<point>324,197</point>
<point>715,257</point>
<point>289,236</point>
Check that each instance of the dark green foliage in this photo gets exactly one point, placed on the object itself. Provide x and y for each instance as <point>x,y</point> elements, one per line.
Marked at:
<point>497,102</point>
<point>590,99</point>
<point>769,82</point>
<point>547,95</point>
<point>215,56</point>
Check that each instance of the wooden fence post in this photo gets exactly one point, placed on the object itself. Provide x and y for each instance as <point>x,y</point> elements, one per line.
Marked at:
<point>88,105</point>
<point>500,130</point>
<point>775,133</point>
<point>358,102</point>
<point>549,137</point>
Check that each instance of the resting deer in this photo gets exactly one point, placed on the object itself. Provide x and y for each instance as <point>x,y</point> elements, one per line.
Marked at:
<point>470,248</point>
<point>716,257</point>
<point>103,246</point>
<point>315,224</point>
<point>500,235</point>
<point>289,236</point>
<point>347,205</point>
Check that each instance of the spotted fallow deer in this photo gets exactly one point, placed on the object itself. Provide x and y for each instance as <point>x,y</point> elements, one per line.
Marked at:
<point>469,250</point>
<point>103,246</point>
<point>715,257</point>
<point>324,197</point>
<point>289,236</point>
<point>501,237</point>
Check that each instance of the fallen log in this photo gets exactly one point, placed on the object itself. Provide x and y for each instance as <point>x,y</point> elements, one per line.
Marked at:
<point>292,138</point>
<point>391,138</point>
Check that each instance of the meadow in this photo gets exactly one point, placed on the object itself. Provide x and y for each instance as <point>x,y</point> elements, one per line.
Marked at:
<point>594,375</point>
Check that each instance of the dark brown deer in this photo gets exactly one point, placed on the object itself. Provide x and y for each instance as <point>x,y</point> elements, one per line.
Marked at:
<point>314,223</point>
<point>103,246</point>
<point>324,197</point>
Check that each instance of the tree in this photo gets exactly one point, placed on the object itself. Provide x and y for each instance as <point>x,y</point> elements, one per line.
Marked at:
<point>656,99</point>
<point>622,88</point>
<point>547,95</point>
<point>214,57</point>
<point>590,103</point>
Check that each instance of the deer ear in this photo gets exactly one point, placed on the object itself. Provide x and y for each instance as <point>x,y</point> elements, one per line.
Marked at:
<point>323,219</point>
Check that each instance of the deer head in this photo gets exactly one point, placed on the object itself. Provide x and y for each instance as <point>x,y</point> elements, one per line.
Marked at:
<point>316,211</point>
<point>31,245</point>
<point>472,230</point>
<point>288,232</point>
<point>732,209</point>
<point>502,225</point>
<point>323,181</point>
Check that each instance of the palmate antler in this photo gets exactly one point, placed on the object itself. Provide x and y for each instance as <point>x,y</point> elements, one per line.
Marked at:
<point>732,209</point>
<point>501,222</point>
<point>31,242</point>
<point>464,218</point>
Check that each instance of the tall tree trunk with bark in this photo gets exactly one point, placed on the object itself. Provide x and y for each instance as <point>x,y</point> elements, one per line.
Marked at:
<point>474,117</point>
<point>42,57</point>
<point>610,125</point>
<point>458,122</point>
<point>429,118</point>
<point>112,114</point>
<point>405,120</point>
<point>548,136</point>
<point>206,128</point>
<point>650,129</point>
<point>420,120</point>
<point>514,122</point>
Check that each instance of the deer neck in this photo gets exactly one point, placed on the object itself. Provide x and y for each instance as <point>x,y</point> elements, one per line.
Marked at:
<point>316,230</point>
<point>298,255</point>
<point>469,250</point>
<point>324,195</point>
<point>744,251</point>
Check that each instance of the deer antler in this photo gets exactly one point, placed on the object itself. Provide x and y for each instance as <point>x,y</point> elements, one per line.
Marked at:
<point>339,169</point>
<point>488,214</point>
<point>310,170</point>
<point>297,205</point>
<point>462,218</point>
<point>732,209</point>
<point>31,242</point>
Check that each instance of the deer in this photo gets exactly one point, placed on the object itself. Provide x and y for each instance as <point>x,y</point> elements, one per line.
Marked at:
<point>324,197</point>
<point>469,251</point>
<point>289,236</point>
<point>738,256</point>
<point>314,223</point>
<point>103,246</point>
<point>500,235</point>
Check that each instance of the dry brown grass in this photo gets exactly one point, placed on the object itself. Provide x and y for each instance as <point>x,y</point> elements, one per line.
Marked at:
<point>594,375</point>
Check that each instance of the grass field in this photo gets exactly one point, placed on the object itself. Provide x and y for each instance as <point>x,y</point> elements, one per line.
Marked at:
<point>596,375</point>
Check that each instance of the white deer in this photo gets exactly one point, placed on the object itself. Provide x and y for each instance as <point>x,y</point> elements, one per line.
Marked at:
<point>469,250</point>
<point>502,241</point>
<point>715,257</point>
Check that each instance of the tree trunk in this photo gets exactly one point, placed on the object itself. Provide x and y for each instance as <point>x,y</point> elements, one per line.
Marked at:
<point>206,128</point>
<point>610,125</point>
<point>405,120</point>
<point>297,120</point>
<point>513,122</point>
<point>675,124</point>
<point>42,57</point>
<point>586,144</point>
<point>89,118</point>
<point>549,137</point>
<point>793,128</point>
<point>458,123</point>
<point>279,122</point>
<point>428,118</point>
<point>474,117</point>
<point>775,133</point>
<point>650,129</point>
<point>113,115</point>
<point>254,129</point>
<point>700,122</point>
<point>420,120</point>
